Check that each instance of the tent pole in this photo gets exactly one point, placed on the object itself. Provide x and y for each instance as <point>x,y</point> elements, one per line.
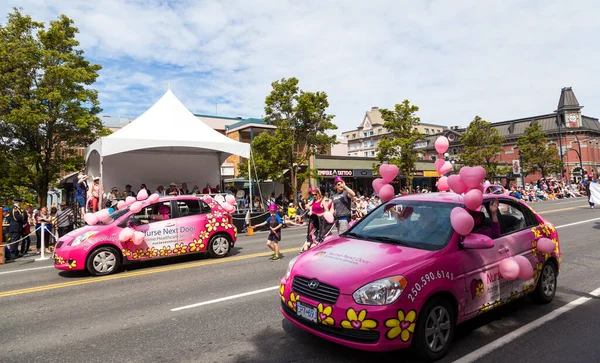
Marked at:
<point>250,181</point>
<point>220,176</point>
<point>101,187</point>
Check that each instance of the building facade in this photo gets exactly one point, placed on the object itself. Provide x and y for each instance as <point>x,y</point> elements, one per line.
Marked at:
<point>576,137</point>
<point>364,139</point>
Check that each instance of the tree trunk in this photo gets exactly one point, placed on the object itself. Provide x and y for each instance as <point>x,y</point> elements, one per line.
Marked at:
<point>294,186</point>
<point>543,173</point>
<point>42,193</point>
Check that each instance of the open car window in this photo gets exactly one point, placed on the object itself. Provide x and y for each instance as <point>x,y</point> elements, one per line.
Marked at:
<point>144,215</point>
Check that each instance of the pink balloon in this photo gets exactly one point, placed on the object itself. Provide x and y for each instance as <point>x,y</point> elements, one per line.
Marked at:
<point>386,193</point>
<point>153,198</point>
<point>442,184</point>
<point>229,208</point>
<point>481,173</point>
<point>90,218</point>
<point>456,184</point>
<point>477,241</point>
<point>388,172</point>
<point>509,269</point>
<point>142,195</point>
<point>441,144</point>
<point>461,221</point>
<point>472,177</point>
<point>525,267</point>
<point>102,214</point>
<point>473,199</point>
<point>328,217</point>
<point>121,205</point>
<point>138,238</point>
<point>230,199</point>
<point>545,245</point>
<point>126,234</point>
<point>445,168</point>
<point>438,163</point>
<point>377,184</point>
<point>208,199</point>
<point>129,200</point>
<point>136,207</point>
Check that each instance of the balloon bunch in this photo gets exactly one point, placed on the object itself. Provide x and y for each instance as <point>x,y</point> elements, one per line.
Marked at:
<point>229,204</point>
<point>381,185</point>
<point>442,166</point>
<point>519,266</point>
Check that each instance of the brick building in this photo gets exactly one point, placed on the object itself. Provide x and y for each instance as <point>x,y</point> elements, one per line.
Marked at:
<point>576,137</point>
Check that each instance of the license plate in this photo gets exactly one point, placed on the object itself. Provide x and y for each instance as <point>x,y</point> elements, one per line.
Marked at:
<point>306,311</point>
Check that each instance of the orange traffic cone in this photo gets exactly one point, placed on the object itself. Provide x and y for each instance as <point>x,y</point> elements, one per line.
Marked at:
<point>250,231</point>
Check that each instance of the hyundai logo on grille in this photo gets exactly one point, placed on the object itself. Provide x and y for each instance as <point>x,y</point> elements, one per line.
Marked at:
<point>313,284</point>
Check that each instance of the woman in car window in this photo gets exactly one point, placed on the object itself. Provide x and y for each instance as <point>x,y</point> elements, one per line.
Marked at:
<point>493,230</point>
<point>163,214</point>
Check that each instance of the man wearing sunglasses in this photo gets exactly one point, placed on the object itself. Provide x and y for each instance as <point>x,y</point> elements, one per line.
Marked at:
<point>342,205</point>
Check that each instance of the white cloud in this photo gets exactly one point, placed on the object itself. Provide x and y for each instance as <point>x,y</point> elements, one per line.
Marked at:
<point>454,59</point>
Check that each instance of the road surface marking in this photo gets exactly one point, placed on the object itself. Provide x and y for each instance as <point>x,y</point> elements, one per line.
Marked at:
<point>138,273</point>
<point>573,201</point>
<point>25,269</point>
<point>226,298</point>
<point>486,349</point>
<point>576,223</point>
<point>560,210</point>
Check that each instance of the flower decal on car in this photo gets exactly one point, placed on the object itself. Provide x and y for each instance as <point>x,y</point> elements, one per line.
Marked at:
<point>72,265</point>
<point>282,292</point>
<point>513,296</point>
<point>137,254</point>
<point>358,321</point>
<point>59,260</point>
<point>203,235</point>
<point>165,251</point>
<point>196,246</point>
<point>403,326</point>
<point>126,252</point>
<point>325,315</point>
<point>180,248</point>
<point>292,301</point>
<point>151,252</point>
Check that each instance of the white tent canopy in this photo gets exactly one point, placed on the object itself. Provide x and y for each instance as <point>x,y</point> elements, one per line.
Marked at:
<point>165,144</point>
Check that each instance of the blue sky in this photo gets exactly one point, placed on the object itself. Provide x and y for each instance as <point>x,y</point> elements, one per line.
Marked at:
<point>454,59</point>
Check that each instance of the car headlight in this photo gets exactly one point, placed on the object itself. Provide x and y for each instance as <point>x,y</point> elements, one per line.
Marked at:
<point>380,292</point>
<point>84,237</point>
<point>290,265</point>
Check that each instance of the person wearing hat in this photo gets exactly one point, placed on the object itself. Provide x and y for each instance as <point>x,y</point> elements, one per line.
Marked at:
<point>342,205</point>
<point>275,224</point>
<point>81,187</point>
<point>173,191</point>
<point>16,221</point>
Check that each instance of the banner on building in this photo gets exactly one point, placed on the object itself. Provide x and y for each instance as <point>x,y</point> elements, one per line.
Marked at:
<point>516,167</point>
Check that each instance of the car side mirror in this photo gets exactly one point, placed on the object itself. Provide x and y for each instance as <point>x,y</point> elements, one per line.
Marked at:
<point>475,241</point>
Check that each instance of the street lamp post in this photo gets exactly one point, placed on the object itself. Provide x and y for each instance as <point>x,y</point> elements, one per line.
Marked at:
<point>521,166</point>
<point>579,154</point>
<point>562,170</point>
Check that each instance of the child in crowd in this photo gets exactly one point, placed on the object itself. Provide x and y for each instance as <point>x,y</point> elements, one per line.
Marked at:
<point>275,223</point>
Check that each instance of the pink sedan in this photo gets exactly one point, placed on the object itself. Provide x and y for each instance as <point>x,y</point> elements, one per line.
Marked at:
<point>173,226</point>
<point>401,277</point>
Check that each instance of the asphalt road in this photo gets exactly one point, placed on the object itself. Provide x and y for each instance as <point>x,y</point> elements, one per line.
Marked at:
<point>52,316</point>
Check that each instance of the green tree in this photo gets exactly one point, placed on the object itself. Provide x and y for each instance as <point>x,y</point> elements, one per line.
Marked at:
<point>537,156</point>
<point>302,124</point>
<point>482,146</point>
<point>397,147</point>
<point>47,107</point>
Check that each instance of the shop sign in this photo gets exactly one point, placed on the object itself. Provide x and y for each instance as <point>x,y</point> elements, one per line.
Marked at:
<point>431,174</point>
<point>335,172</point>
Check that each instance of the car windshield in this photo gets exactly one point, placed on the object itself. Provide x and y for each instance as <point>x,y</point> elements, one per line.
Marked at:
<point>417,224</point>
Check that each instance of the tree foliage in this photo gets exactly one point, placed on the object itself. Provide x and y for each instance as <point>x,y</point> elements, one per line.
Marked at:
<point>398,146</point>
<point>47,107</point>
<point>302,124</point>
<point>482,146</point>
<point>537,156</point>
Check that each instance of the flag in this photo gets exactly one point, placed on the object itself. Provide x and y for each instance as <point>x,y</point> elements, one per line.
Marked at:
<point>594,193</point>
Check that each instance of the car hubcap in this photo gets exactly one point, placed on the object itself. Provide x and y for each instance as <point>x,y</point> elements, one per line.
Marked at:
<point>548,281</point>
<point>221,246</point>
<point>105,261</point>
<point>437,329</point>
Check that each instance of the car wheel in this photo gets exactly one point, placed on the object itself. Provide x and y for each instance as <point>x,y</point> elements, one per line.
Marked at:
<point>435,330</point>
<point>546,286</point>
<point>103,261</point>
<point>219,246</point>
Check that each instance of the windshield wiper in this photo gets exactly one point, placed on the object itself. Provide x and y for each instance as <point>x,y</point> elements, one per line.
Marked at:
<point>389,240</point>
<point>352,234</point>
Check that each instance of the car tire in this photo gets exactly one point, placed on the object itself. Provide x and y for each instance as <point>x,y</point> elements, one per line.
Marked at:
<point>546,285</point>
<point>219,246</point>
<point>435,330</point>
<point>103,261</point>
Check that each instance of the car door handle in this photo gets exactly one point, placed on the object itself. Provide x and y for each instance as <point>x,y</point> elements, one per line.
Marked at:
<point>502,250</point>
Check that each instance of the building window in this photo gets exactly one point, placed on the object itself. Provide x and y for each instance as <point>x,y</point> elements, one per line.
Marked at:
<point>354,136</point>
<point>433,158</point>
<point>366,153</point>
<point>365,144</point>
<point>426,130</point>
<point>372,143</point>
<point>371,133</point>
<point>372,153</point>
<point>378,131</point>
<point>420,144</point>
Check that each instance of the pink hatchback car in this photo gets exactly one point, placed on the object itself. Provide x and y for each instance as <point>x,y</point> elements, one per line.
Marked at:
<point>172,226</point>
<point>391,283</point>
